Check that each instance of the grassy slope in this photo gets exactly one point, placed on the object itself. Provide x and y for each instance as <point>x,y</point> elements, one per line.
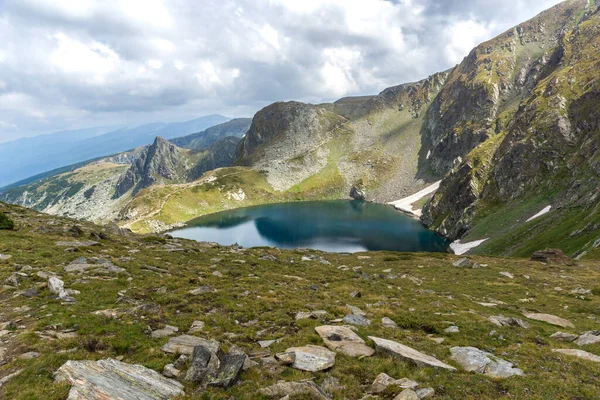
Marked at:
<point>275,298</point>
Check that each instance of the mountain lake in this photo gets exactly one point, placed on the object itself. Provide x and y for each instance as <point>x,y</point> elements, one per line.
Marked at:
<point>333,226</point>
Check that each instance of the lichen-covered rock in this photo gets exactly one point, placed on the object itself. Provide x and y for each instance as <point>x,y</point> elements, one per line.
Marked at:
<point>474,360</point>
<point>343,340</point>
<point>111,379</point>
<point>312,358</point>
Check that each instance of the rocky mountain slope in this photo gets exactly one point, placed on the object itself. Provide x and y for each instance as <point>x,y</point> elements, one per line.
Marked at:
<point>26,157</point>
<point>540,138</point>
<point>97,312</point>
<point>512,130</point>
<point>106,185</point>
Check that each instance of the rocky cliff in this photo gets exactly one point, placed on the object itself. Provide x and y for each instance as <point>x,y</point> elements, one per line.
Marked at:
<point>543,150</point>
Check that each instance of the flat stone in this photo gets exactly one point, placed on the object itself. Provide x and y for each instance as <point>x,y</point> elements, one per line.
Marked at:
<point>463,262</point>
<point>425,393</point>
<point>185,344</point>
<point>359,320</point>
<point>112,379</point>
<point>78,244</point>
<point>197,326</point>
<point>200,290</point>
<point>407,394</point>
<point>474,360</point>
<point>586,338</point>
<point>388,323</point>
<point>30,355</point>
<point>300,388</point>
<point>565,337</point>
<point>501,320</point>
<point>407,353</point>
<point>5,257</point>
<point>343,340</point>
<point>550,319</point>
<point>452,329</point>
<point>267,343</point>
<point>312,358</point>
<point>168,330</point>
<point>507,274</point>
<point>584,355</point>
<point>383,380</point>
<point>356,311</point>
<point>310,314</point>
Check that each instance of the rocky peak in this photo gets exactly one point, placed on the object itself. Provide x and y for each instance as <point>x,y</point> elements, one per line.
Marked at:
<point>161,161</point>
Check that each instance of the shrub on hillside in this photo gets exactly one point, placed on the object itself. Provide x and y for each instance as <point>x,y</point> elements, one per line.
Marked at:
<point>6,223</point>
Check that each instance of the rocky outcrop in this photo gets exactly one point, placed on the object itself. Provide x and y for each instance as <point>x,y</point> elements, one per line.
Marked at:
<point>160,162</point>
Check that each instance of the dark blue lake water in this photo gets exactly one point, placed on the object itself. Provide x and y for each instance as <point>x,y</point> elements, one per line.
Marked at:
<point>334,226</point>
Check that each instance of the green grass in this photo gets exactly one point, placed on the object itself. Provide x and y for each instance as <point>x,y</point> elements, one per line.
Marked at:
<point>6,223</point>
<point>452,294</point>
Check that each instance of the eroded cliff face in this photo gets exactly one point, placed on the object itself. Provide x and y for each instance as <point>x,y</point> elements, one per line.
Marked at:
<point>544,149</point>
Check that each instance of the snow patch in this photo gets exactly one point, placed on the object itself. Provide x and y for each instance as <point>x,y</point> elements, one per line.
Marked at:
<point>461,248</point>
<point>406,203</point>
<point>544,211</point>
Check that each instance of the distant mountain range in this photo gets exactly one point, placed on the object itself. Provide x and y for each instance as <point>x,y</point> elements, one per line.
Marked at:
<point>26,157</point>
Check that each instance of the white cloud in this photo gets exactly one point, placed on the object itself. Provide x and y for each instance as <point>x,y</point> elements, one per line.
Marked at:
<point>464,36</point>
<point>67,64</point>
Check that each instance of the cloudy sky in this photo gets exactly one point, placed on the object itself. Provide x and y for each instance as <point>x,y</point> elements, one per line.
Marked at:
<point>67,64</point>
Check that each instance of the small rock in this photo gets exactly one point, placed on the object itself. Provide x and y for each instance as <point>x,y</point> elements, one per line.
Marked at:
<point>197,326</point>
<point>452,329</point>
<point>586,338</point>
<point>310,314</point>
<point>287,358</point>
<point>266,343</point>
<point>501,320</point>
<point>507,274</point>
<point>463,262</point>
<point>407,394</point>
<point>356,320</point>
<point>217,274</point>
<point>562,336</point>
<point>356,311</point>
<point>170,371</point>
<point>283,388</point>
<point>168,330</point>
<point>13,280</point>
<point>185,344</point>
<point>356,294</point>
<point>425,393</point>
<point>30,355</point>
<point>551,256</point>
<point>388,323</point>
<point>200,290</point>
<point>383,380</point>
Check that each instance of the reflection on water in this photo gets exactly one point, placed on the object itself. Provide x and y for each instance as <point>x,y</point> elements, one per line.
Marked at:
<point>337,226</point>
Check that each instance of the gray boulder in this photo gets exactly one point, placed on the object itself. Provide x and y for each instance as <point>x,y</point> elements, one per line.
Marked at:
<point>474,360</point>
<point>112,379</point>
